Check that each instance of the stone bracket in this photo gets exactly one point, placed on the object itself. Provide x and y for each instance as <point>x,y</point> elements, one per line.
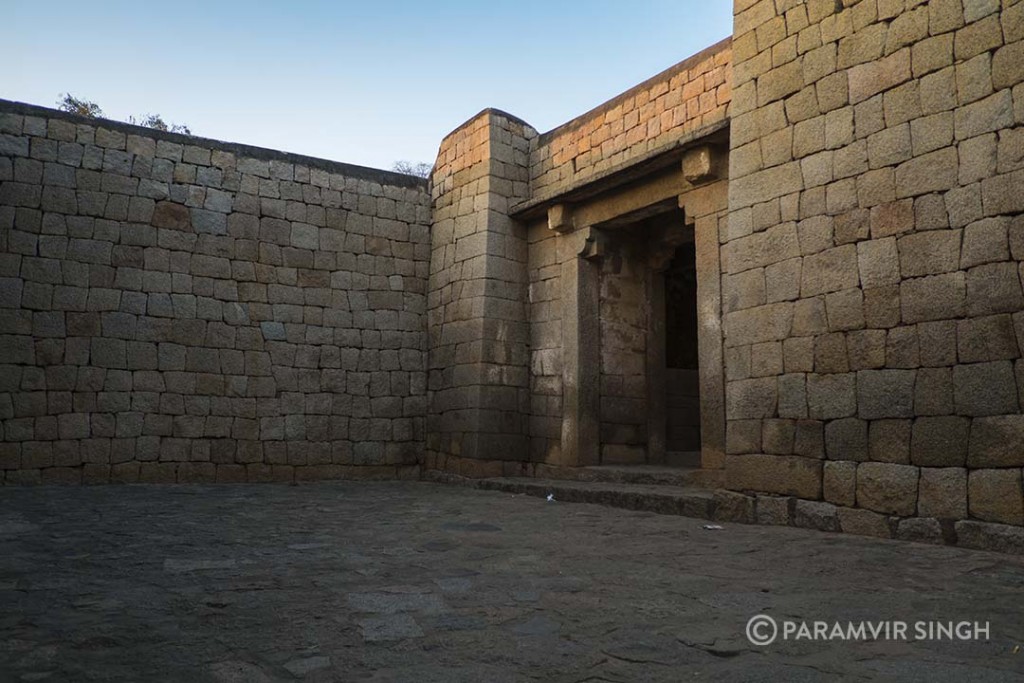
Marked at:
<point>560,218</point>
<point>595,245</point>
<point>700,164</point>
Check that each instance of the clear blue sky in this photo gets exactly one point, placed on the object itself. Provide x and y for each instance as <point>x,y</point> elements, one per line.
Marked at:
<point>366,83</point>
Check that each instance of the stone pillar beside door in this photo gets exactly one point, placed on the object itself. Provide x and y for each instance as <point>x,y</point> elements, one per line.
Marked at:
<point>707,206</point>
<point>580,252</point>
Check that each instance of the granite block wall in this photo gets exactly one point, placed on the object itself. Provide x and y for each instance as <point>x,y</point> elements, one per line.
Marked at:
<point>479,335</point>
<point>180,309</point>
<point>624,322</point>
<point>545,314</point>
<point>874,316</point>
<point>684,100</point>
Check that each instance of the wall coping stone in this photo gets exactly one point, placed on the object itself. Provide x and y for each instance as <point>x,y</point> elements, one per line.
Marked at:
<point>349,170</point>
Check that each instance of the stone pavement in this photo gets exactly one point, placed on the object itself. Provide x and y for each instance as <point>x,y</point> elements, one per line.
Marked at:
<point>418,582</point>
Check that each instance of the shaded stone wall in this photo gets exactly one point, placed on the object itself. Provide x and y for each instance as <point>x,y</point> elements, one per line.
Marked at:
<point>180,309</point>
<point>623,306</point>
<point>545,315</point>
<point>871,285</point>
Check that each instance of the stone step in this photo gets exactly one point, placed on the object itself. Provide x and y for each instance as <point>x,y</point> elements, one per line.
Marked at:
<point>683,459</point>
<point>639,474</point>
<point>662,475</point>
<point>661,499</point>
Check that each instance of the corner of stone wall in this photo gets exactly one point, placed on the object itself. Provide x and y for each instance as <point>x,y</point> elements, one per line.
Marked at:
<point>478,330</point>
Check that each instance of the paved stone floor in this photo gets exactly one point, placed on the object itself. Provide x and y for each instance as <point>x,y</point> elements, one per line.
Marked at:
<point>421,582</point>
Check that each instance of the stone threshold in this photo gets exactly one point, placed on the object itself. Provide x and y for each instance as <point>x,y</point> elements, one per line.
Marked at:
<point>721,506</point>
<point>662,475</point>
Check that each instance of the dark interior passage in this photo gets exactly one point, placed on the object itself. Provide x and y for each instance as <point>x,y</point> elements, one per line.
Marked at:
<point>682,382</point>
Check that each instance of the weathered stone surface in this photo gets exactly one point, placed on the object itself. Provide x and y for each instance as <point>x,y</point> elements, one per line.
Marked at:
<point>839,482</point>
<point>209,222</point>
<point>811,514</point>
<point>982,389</point>
<point>792,396</point>
<point>831,396</point>
<point>985,241</point>
<point>171,216</point>
<point>876,76</point>
<point>733,507</point>
<point>846,439</point>
<point>864,522</point>
<point>845,309</point>
<point>753,398</point>
<point>997,441</point>
<point>743,436</point>
<point>989,114</point>
<point>929,253</point>
<point>879,262</point>
<point>998,537</point>
<point>932,172</point>
<point>830,354</point>
<point>830,271</point>
<point>933,392</point>
<point>773,510</point>
<point>889,441</point>
<point>937,344</point>
<point>996,495</point>
<point>753,325</point>
<point>778,436</point>
<point>987,339</point>
<point>882,307</point>
<point>937,297</point>
<point>921,530</point>
<point>885,393</point>
<point>994,288</point>
<point>943,493</point>
<point>940,441</point>
<point>791,476</point>
<point>866,349</point>
<point>809,440</point>
<point>887,488</point>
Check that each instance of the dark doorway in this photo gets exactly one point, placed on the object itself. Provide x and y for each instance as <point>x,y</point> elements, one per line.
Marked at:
<point>682,383</point>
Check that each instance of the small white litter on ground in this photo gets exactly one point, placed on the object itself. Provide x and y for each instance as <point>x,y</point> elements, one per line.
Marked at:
<point>551,498</point>
<point>713,527</point>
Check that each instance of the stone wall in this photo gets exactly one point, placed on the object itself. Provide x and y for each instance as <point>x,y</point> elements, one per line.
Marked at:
<point>872,260</point>
<point>683,101</point>
<point>624,300</point>
<point>545,315</point>
<point>180,309</point>
<point>479,336</point>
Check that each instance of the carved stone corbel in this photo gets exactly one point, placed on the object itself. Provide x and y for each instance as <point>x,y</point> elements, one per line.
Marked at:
<point>595,246</point>
<point>560,218</point>
<point>699,164</point>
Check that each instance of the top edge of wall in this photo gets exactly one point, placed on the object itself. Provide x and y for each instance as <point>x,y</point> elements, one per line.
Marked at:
<point>350,170</point>
<point>605,106</point>
<point>489,111</point>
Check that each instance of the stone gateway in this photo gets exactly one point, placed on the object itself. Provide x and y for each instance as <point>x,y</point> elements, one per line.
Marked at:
<point>789,266</point>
